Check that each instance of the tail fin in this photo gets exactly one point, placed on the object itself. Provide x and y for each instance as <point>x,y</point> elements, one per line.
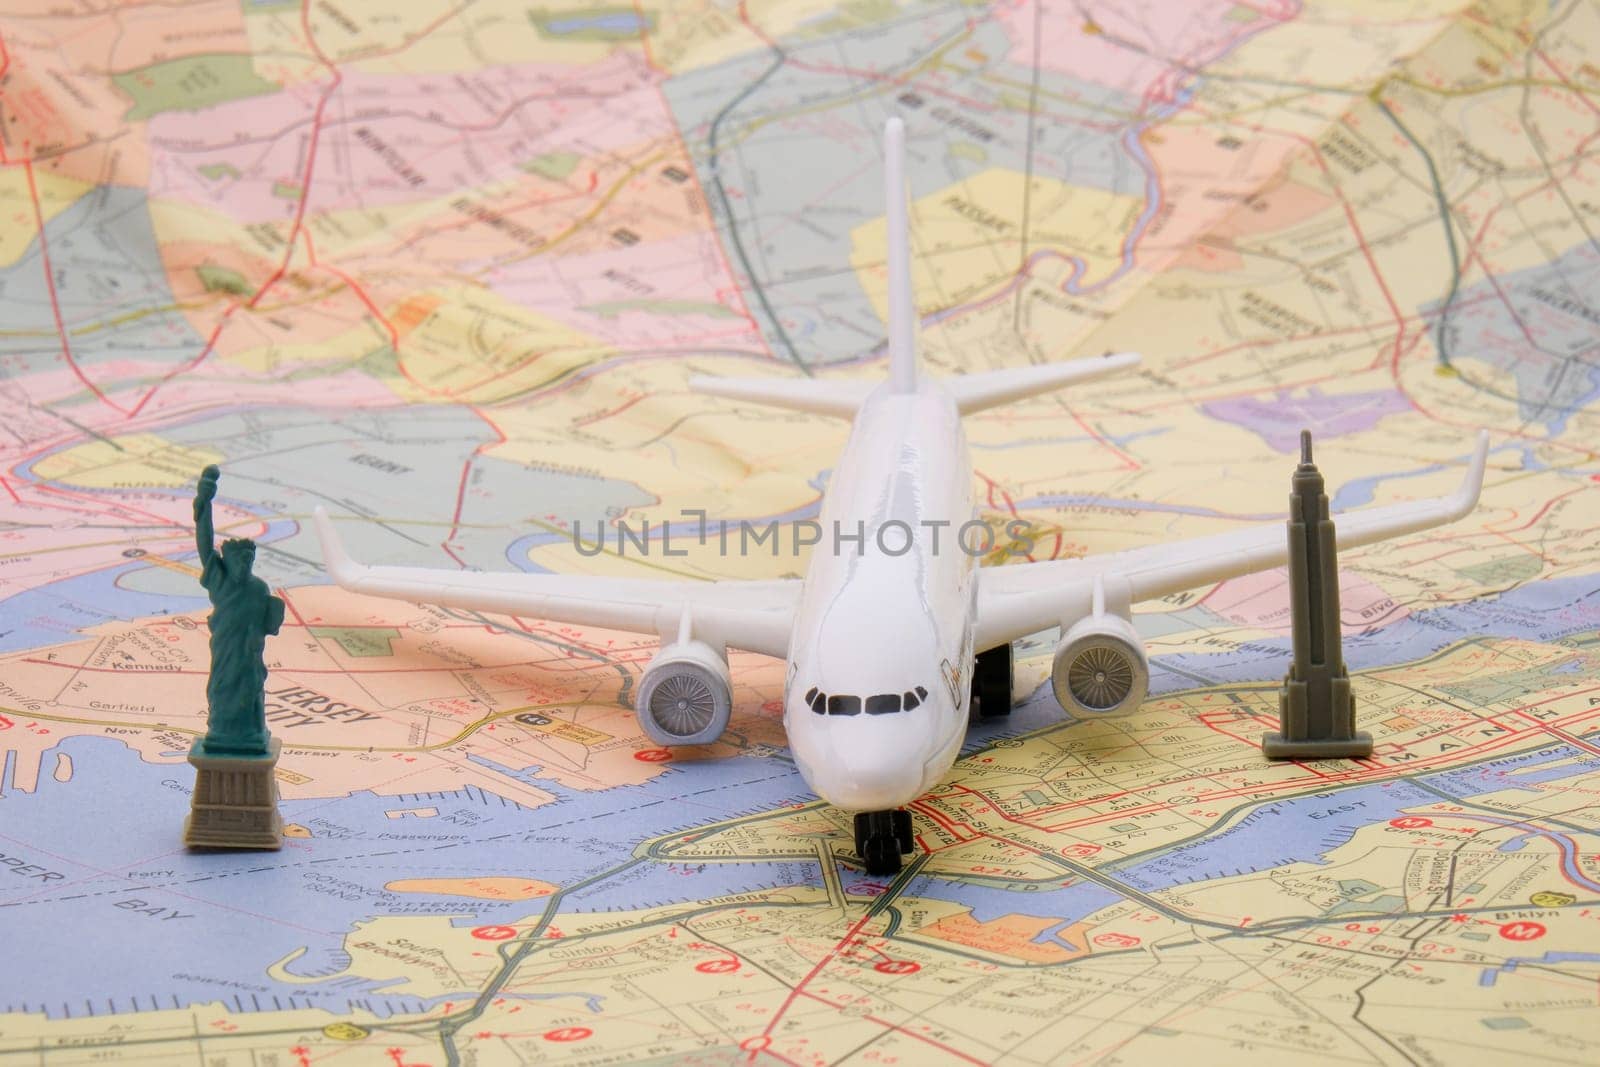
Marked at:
<point>902,306</point>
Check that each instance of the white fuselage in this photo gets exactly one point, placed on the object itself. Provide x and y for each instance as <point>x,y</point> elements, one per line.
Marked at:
<point>880,628</point>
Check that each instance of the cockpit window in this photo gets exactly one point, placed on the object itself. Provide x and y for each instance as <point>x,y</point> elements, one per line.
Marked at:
<point>883,704</point>
<point>844,705</point>
<point>877,704</point>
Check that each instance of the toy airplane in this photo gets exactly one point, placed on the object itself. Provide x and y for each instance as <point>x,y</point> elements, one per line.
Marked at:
<point>886,652</point>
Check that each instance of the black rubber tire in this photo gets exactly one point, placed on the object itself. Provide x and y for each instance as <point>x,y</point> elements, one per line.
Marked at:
<point>882,855</point>
<point>863,831</point>
<point>992,680</point>
<point>902,831</point>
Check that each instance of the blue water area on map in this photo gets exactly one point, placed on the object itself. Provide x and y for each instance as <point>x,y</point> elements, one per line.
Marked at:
<point>59,612</point>
<point>1536,325</point>
<point>1276,834</point>
<point>113,295</point>
<point>1070,903</point>
<point>1543,611</point>
<point>208,926</point>
<point>1509,772</point>
<point>1488,976</point>
<point>1361,491</point>
<point>611,22</point>
<point>204,920</point>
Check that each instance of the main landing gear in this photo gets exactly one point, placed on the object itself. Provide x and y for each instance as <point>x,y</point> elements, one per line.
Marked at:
<point>882,837</point>
<point>993,676</point>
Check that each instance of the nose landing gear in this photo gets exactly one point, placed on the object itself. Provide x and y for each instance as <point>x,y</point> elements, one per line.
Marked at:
<point>882,837</point>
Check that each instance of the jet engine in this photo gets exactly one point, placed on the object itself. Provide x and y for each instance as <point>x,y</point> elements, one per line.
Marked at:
<point>685,696</point>
<point>1100,667</point>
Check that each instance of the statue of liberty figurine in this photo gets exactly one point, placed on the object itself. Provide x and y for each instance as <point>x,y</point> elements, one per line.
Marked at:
<point>235,798</point>
<point>243,613</point>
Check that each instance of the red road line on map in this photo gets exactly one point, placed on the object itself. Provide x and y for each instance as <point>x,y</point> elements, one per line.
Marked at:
<point>1374,770</point>
<point>185,367</point>
<point>972,103</point>
<point>601,416</point>
<point>1366,252</point>
<point>113,507</point>
<point>1561,735</point>
<point>799,988</point>
<point>50,285</point>
<point>1214,728</point>
<point>311,154</point>
<point>1265,342</point>
<point>961,833</point>
<point>1128,462</point>
<point>677,135</point>
<point>1564,79</point>
<point>901,1030</point>
<point>15,499</point>
<point>461,487</point>
<point>305,192</point>
<point>1315,154</point>
<point>551,666</point>
<point>1543,509</point>
<point>355,287</point>
<point>5,67</point>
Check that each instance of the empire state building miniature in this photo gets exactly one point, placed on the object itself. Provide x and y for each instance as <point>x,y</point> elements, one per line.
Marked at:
<point>1316,715</point>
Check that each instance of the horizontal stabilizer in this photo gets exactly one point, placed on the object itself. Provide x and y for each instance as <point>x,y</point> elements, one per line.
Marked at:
<point>819,397</point>
<point>976,392</point>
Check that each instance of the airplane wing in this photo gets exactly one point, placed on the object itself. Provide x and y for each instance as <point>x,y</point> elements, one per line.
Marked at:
<point>1018,600</point>
<point>750,615</point>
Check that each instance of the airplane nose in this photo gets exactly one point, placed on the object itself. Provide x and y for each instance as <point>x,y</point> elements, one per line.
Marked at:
<point>870,780</point>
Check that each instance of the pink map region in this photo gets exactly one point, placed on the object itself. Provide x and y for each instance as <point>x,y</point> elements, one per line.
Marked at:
<point>516,153</point>
<point>1133,46</point>
<point>1261,601</point>
<point>58,97</point>
<point>390,139</point>
<point>619,292</point>
<point>1265,211</point>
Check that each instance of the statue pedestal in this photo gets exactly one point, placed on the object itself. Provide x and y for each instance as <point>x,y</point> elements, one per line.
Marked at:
<point>235,802</point>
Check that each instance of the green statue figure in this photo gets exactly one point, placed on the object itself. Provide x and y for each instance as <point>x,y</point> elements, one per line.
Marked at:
<point>243,613</point>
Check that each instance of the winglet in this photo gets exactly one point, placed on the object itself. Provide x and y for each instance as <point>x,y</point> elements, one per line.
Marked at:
<point>1465,498</point>
<point>341,568</point>
<point>902,307</point>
